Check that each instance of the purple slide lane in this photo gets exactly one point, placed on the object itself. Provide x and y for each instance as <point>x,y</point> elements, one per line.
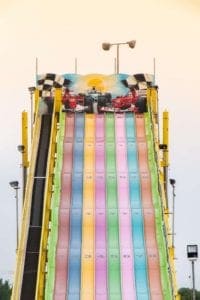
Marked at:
<point>100,213</point>
<point>125,234</point>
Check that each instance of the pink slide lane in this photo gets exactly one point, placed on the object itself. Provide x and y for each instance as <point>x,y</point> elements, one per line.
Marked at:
<point>100,213</point>
<point>100,191</point>
<point>125,234</point>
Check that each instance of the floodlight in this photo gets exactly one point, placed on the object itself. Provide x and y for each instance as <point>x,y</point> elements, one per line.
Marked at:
<point>106,46</point>
<point>132,44</point>
<point>172,181</point>
<point>21,148</point>
<point>163,146</point>
<point>32,89</point>
<point>14,184</point>
<point>192,252</point>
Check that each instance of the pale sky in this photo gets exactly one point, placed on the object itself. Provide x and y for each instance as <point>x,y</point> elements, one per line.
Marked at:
<point>58,31</point>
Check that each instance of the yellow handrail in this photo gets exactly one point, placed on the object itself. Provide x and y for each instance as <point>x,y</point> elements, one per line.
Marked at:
<point>20,259</point>
<point>40,285</point>
<point>25,162</point>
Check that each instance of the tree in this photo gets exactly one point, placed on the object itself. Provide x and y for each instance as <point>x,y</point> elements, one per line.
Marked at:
<point>186,294</point>
<point>5,290</point>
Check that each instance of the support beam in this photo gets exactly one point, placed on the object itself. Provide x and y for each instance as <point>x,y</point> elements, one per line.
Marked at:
<point>165,162</point>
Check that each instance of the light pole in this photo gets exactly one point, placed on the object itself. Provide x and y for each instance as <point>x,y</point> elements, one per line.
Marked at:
<point>192,254</point>
<point>15,186</point>
<point>106,47</point>
<point>32,90</point>
<point>173,182</point>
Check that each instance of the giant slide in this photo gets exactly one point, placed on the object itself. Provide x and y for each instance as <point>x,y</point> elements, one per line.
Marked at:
<point>105,242</point>
<point>106,238</point>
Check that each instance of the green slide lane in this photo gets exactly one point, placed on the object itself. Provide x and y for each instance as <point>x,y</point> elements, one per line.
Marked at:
<point>53,235</point>
<point>110,150</point>
<point>160,234</point>
<point>114,272</point>
<point>113,234</point>
<point>111,190</point>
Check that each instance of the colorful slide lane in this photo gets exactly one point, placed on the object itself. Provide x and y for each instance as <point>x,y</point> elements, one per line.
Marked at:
<point>76,211</point>
<point>125,232</point>
<point>100,212</point>
<point>148,212</point>
<point>140,262</point>
<point>88,221</point>
<point>104,243</point>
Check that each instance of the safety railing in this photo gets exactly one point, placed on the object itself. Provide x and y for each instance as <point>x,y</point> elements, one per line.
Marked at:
<point>40,285</point>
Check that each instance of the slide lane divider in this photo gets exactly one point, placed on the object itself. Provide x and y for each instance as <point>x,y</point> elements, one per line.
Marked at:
<point>74,271</point>
<point>140,260</point>
<point>113,250</point>
<point>148,212</point>
<point>61,267</point>
<point>125,233</point>
<point>100,213</point>
<point>88,216</point>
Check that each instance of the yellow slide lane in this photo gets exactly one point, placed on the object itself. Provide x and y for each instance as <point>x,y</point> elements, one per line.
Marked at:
<point>88,221</point>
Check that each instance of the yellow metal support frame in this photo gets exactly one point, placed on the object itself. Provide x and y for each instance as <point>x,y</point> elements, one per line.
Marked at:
<point>166,138</point>
<point>25,162</point>
<point>24,150</point>
<point>36,103</point>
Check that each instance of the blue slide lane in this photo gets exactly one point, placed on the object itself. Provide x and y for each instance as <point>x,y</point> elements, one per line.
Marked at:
<point>140,261</point>
<point>76,212</point>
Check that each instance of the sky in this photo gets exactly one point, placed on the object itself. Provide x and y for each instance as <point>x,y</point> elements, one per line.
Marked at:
<point>57,32</point>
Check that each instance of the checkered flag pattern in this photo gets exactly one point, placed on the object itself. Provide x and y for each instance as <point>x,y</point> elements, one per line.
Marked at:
<point>140,81</point>
<point>47,82</point>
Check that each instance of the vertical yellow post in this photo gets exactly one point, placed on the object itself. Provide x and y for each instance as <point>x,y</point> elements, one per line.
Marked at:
<point>152,101</point>
<point>166,136</point>
<point>34,107</point>
<point>165,151</point>
<point>25,139</point>
<point>58,99</point>
<point>24,149</point>
<point>36,103</point>
<point>149,97</point>
<point>154,97</point>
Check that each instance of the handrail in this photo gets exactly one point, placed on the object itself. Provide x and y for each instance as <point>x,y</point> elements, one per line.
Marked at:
<point>151,95</point>
<point>39,294</point>
<point>16,290</point>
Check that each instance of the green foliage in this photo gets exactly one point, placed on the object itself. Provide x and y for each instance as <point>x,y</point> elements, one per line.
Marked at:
<point>5,290</point>
<point>186,294</point>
